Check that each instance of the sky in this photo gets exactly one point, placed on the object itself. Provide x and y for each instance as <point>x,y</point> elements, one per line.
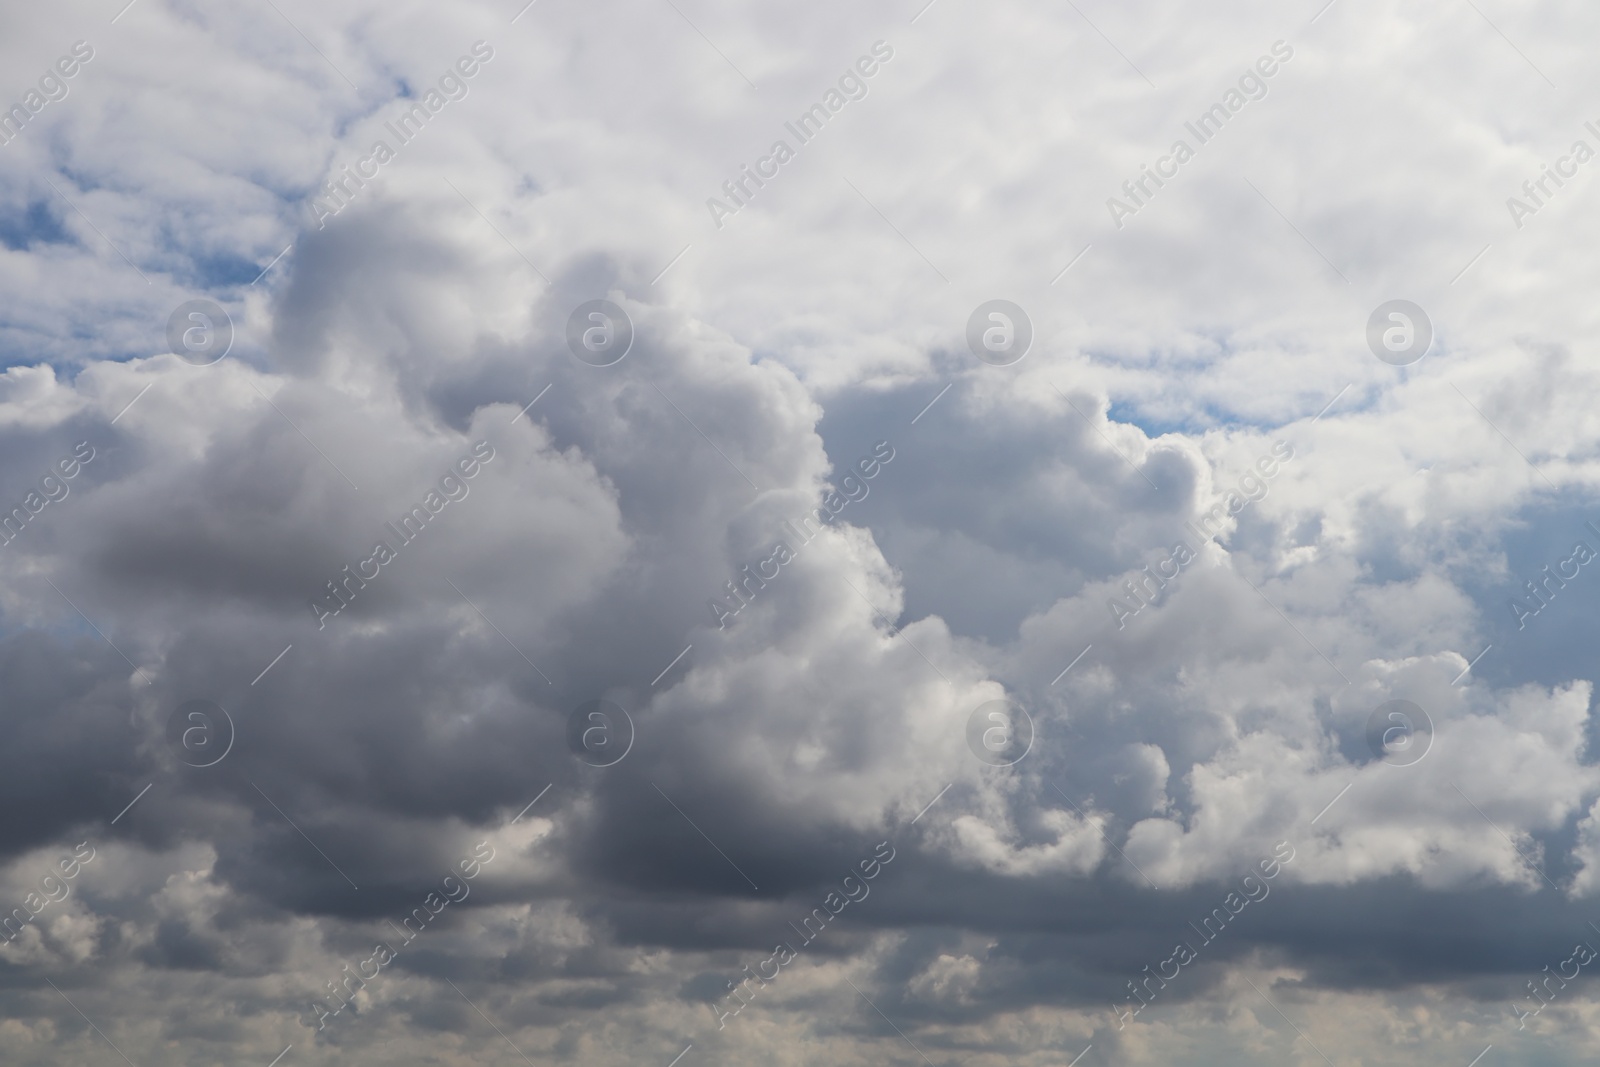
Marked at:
<point>692,531</point>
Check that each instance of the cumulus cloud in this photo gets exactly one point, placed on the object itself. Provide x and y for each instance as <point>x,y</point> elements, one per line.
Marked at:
<point>408,577</point>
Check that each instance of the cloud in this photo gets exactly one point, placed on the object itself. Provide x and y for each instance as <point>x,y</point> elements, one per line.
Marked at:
<point>766,752</point>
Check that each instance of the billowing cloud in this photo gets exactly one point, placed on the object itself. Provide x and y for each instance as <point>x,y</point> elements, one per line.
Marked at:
<point>467,594</point>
